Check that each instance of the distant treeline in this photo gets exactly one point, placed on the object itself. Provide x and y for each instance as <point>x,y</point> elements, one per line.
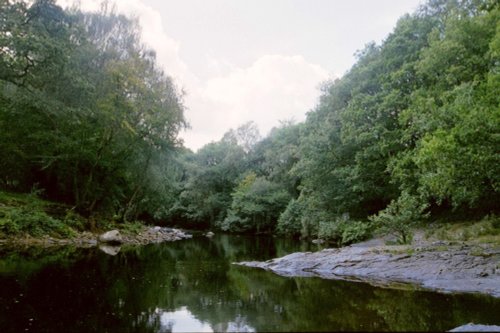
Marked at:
<point>411,130</point>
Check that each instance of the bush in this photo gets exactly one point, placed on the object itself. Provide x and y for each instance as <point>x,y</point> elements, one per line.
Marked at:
<point>26,214</point>
<point>355,231</point>
<point>330,231</point>
<point>400,217</point>
<point>74,220</point>
<point>132,227</point>
<point>16,220</point>
<point>312,215</point>
<point>344,231</point>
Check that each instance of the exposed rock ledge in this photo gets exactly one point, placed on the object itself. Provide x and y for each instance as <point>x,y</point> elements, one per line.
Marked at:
<point>476,328</point>
<point>441,268</point>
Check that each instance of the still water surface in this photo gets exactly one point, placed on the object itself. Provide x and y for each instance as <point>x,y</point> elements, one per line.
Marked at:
<point>192,286</point>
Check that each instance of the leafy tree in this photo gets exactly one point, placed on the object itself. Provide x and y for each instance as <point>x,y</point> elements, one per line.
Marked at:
<point>256,205</point>
<point>452,124</point>
<point>210,178</point>
<point>400,216</point>
<point>86,113</point>
<point>274,156</point>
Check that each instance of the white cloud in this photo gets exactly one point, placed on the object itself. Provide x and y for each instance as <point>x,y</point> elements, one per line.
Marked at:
<point>273,88</point>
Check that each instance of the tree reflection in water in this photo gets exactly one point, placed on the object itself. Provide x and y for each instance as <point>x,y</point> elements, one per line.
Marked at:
<point>191,285</point>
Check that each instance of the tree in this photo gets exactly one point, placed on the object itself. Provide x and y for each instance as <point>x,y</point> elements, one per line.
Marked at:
<point>86,113</point>
<point>210,178</point>
<point>256,205</point>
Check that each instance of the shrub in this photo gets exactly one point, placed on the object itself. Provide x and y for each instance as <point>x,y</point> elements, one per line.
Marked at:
<point>344,231</point>
<point>330,231</point>
<point>355,231</point>
<point>17,220</point>
<point>400,217</point>
<point>132,227</point>
<point>75,220</point>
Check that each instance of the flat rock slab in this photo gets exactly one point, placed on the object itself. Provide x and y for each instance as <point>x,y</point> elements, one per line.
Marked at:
<point>456,269</point>
<point>476,328</point>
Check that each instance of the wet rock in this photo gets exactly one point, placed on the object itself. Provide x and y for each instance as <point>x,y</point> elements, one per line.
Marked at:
<point>112,236</point>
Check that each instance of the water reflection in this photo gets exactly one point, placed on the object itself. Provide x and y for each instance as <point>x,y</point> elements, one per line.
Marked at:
<point>181,320</point>
<point>112,250</point>
<point>191,285</point>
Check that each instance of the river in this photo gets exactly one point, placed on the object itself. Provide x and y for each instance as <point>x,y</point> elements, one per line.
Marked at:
<point>192,285</point>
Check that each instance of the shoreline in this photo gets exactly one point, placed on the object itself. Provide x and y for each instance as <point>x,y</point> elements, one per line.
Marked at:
<point>88,239</point>
<point>451,268</point>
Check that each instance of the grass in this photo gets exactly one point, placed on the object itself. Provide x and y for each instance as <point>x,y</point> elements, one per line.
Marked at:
<point>401,249</point>
<point>486,230</point>
<point>131,227</point>
<point>27,214</point>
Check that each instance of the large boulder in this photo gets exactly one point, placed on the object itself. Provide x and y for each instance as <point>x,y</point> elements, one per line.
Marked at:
<point>112,236</point>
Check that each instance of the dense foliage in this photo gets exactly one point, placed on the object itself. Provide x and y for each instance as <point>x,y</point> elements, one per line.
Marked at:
<point>411,130</point>
<point>85,114</point>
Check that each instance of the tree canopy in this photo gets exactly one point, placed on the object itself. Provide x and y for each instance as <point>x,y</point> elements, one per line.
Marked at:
<point>86,114</point>
<point>411,130</point>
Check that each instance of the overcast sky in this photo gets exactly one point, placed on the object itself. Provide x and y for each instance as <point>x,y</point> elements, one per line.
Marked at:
<point>260,60</point>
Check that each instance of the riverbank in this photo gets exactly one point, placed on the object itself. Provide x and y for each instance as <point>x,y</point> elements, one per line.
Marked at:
<point>440,266</point>
<point>144,235</point>
<point>26,220</point>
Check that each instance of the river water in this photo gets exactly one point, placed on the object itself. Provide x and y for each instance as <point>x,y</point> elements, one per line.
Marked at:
<point>192,286</point>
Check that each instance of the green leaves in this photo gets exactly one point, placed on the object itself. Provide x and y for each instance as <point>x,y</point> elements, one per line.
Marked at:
<point>416,116</point>
<point>256,205</point>
<point>401,216</point>
<point>86,112</point>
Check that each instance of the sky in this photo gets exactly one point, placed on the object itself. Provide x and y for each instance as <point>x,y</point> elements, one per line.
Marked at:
<point>255,60</point>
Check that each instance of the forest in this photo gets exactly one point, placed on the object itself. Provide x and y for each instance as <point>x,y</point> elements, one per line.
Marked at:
<point>409,135</point>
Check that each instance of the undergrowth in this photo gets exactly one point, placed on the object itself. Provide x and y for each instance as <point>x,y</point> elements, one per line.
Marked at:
<point>486,230</point>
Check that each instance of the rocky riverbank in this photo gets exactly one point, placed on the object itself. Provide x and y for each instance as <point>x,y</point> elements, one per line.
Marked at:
<point>146,235</point>
<point>439,267</point>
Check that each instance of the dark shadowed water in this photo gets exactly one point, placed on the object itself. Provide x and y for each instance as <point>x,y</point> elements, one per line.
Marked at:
<point>191,285</point>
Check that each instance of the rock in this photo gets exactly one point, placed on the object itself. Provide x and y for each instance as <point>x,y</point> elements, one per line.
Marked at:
<point>209,234</point>
<point>445,271</point>
<point>109,249</point>
<point>318,241</point>
<point>112,236</point>
<point>470,327</point>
